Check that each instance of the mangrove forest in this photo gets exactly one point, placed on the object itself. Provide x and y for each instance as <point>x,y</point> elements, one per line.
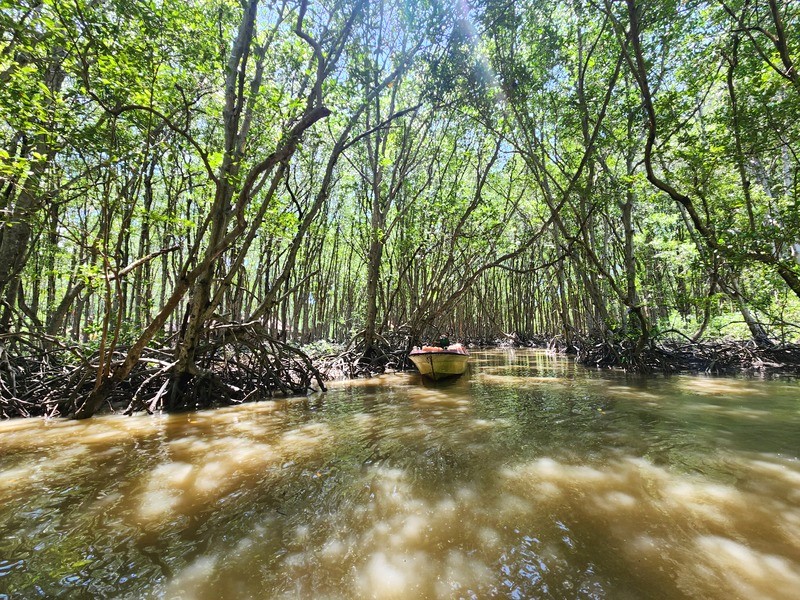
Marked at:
<point>213,201</point>
<point>400,299</point>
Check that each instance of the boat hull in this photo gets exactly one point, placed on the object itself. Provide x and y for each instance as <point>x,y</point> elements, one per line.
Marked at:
<point>438,365</point>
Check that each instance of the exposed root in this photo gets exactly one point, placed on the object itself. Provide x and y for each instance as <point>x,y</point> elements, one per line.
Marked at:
<point>388,352</point>
<point>236,364</point>
<point>673,356</point>
<point>240,363</point>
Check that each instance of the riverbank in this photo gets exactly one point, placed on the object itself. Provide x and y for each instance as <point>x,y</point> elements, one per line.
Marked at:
<point>724,357</point>
<point>56,382</point>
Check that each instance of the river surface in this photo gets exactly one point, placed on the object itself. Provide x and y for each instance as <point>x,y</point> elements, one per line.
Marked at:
<point>529,477</point>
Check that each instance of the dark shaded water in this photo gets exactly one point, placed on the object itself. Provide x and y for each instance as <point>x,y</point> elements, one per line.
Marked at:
<point>528,478</point>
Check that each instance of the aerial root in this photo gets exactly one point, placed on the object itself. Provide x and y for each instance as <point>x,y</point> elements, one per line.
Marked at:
<point>235,364</point>
<point>673,356</point>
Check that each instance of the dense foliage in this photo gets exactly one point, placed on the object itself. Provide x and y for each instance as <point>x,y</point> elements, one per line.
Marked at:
<point>175,172</point>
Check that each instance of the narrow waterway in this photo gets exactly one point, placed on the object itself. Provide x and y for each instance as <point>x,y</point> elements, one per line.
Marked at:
<point>529,477</point>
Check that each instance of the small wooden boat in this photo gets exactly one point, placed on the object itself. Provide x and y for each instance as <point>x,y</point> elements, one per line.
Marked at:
<point>437,363</point>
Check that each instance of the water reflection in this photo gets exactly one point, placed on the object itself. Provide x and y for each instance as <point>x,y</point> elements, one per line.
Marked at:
<point>532,477</point>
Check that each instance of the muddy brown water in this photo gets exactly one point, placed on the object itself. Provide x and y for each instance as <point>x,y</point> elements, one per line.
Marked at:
<point>529,477</point>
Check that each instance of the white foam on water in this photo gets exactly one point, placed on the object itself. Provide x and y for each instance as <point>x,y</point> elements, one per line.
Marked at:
<point>191,582</point>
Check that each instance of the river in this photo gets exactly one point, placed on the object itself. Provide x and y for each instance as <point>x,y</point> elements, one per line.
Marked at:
<point>529,477</point>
